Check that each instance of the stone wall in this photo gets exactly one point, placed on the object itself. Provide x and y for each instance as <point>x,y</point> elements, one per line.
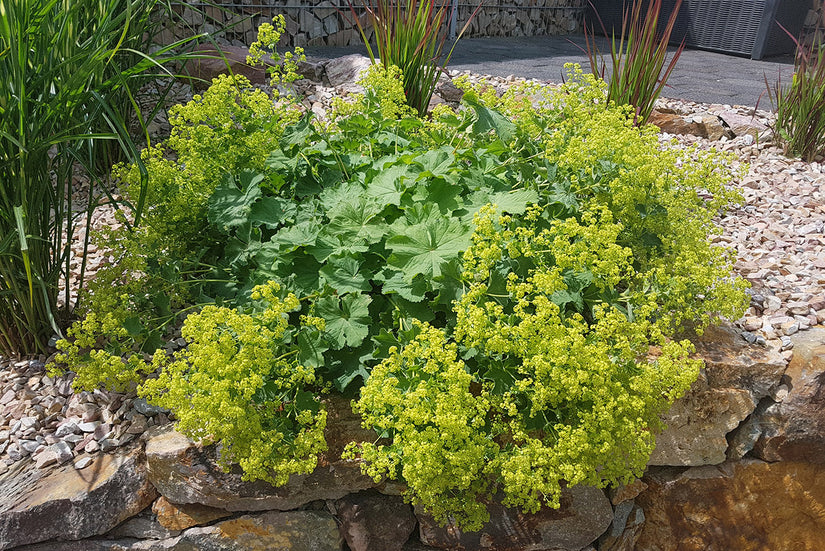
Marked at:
<point>331,22</point>
<point>741,466</point>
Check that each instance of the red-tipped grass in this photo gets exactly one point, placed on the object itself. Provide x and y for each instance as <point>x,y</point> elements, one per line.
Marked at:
<point>800,106</point>
<point>639,61</point>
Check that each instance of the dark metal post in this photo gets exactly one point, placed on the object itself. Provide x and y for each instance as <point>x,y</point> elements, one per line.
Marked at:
<point>453,19</point>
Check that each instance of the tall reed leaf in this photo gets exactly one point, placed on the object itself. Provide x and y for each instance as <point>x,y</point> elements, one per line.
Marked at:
<point>411,36</point>
<point>639,66</point>
<point>68,72</point>
<point>800,106</point>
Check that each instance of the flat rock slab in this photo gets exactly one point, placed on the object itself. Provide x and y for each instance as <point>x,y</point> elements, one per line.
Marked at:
<point>213,63</point>
<point>584,515</point>
<point>126,544</point>
<point>346,70</point>
<point>744,506</point>
<point>174,516</point>
<point>704,125</point>
<point>741,125</point>
<point>38,505</point>
<point>185,473</point>
<point>271,531</point>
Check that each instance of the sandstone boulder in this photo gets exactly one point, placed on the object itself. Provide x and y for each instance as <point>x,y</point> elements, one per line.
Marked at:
<point>704,125</point>
<point>212,62</point>
<point>697,425</point>
<point>736,377</point>
<point>794,428</point>
<point>180,517</point>
<point>712,127</point>
<point>186,473</point>
<point>585,513</point>
<point>742,125</point>
<point>346,70</point>
<point>673,123</point>
<point>746,506</point>
<point>69,504</point>
<point>731,362</point>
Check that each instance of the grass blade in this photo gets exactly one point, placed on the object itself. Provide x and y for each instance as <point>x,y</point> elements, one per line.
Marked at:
<point>24,250</point>
<point>639,72</point>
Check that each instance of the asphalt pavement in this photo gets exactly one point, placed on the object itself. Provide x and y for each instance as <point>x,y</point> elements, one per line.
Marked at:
<point>699,75</point>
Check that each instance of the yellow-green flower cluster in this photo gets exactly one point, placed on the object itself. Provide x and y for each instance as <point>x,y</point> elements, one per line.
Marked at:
<point>665,198</point>
<point>232,126</point>
<point>96,366</point>
<point>582,407</point>
<point>239,383</point>
<point>549,397</point>
<point>383,90</point>
<point>440,446</point>
<point>281,70</point>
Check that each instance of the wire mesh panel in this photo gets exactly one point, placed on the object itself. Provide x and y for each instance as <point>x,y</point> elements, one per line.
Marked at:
<point>331,22</point>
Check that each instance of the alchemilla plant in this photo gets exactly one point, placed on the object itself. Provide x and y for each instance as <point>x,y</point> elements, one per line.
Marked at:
<point>504,288</point>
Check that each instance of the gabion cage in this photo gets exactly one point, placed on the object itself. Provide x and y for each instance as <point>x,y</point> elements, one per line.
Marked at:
<point>331,22</point>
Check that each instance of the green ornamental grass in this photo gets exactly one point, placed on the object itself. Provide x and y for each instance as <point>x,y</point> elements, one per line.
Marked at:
<point>639,59</point>
<point>68,69</point>
<point>411,36</point>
